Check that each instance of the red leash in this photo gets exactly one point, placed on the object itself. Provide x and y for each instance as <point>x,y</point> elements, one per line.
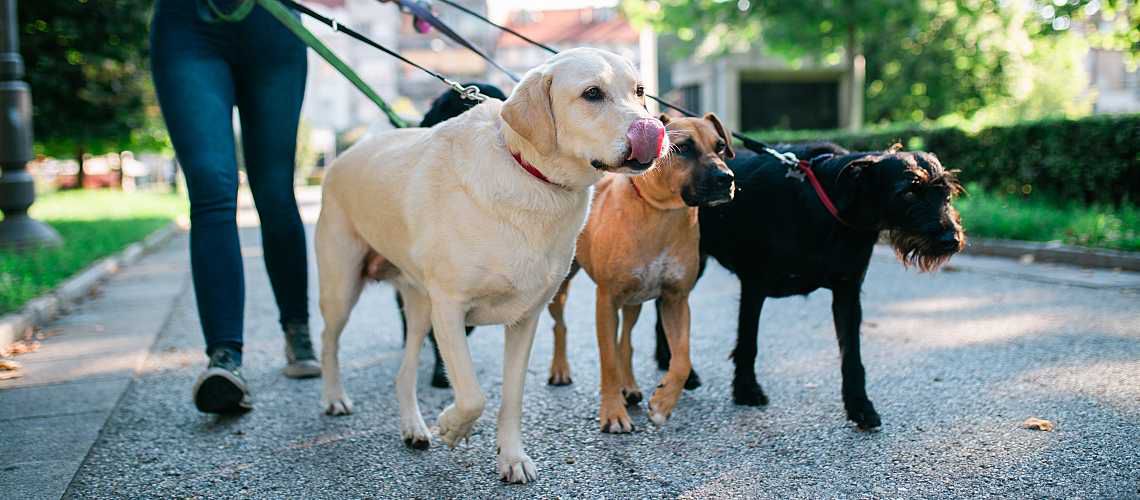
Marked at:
<point>805,167</point>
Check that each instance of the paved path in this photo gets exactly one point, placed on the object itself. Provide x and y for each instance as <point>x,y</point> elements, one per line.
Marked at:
<point>955,362</point>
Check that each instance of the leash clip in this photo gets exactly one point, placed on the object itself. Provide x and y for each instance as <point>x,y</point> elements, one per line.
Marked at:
<point>789,159</point>
<point>471,92</point>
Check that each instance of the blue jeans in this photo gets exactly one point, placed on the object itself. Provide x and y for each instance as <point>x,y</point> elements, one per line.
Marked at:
<point>201,71</point>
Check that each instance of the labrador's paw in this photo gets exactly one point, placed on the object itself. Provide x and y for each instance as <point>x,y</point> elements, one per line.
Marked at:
<point>415,433</point>
<point>337,405</point>
<point>516,467</point>
<point>453,426</point>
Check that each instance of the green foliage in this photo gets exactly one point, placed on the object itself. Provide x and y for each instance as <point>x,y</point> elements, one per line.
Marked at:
<point>997,215</point>
<point>94,224</point>
<point>924,59</point>
<point>87,66</point>
<point>1095,159</point>
<point>1111,24</point>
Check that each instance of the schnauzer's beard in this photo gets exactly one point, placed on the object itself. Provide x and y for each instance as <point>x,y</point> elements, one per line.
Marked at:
<point>920,251</point>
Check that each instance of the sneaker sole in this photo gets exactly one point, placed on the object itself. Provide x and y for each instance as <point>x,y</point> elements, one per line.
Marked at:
<point>302,369</point>
<point>219,391</point>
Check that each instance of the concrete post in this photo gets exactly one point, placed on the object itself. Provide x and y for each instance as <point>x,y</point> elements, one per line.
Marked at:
<point>17,188</point>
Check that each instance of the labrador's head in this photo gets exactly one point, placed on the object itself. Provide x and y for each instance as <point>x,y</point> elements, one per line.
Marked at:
<point>587,105</point>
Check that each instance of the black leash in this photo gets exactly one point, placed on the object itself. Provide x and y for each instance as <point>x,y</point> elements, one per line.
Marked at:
<point>423,12</point>
<point>470,92</point>
<point>748,142</point>
<point>501,27</point>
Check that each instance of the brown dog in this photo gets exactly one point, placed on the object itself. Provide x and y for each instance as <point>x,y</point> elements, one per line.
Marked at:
<point>640,243</point>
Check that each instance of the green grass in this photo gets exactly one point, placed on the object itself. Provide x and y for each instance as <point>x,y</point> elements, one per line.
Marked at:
<point>993,215</point>
<point>94,224</point>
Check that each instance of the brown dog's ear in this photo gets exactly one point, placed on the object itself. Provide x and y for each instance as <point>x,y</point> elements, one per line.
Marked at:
<point>528,111</point>
<point>729,153</point>
<point>664,118</point>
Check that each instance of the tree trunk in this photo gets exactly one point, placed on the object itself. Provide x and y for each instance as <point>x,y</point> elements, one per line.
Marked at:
<point>79,175</point>
<point>855,76</point>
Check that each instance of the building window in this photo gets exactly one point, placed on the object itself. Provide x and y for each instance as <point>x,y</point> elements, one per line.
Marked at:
<point>691,97</point>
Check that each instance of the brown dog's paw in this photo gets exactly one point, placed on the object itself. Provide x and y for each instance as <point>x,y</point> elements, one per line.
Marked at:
<point>632,396</point>
<point>616,420</point>
<point>559,377</point>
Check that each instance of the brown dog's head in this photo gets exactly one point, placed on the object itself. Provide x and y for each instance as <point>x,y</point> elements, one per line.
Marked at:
<point>695,166</point>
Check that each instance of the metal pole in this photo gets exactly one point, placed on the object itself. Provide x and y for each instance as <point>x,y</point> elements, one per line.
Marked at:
<point>17,188</point>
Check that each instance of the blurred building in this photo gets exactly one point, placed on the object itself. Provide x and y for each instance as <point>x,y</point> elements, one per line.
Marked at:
<point>1117,89</point>
<point>601,27</point>
<point>439,53</point>
<point>333,105</point>
<point>754,91</point>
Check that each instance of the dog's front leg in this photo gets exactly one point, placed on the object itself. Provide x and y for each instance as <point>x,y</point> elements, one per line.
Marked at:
<point>847,312</point>
<point>514,464</point>
<point>675,316</point>
<point>456,421</point>
<point>612,414</point>
<point>745,389</point>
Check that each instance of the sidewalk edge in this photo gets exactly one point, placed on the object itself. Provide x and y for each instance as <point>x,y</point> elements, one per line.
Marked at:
<point>1056,253</point>
<point>51,305</point>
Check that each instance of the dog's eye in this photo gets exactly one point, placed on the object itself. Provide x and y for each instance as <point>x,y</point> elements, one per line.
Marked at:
<point>593,94</point>
<point>640,91</point>
<point>682,147</point>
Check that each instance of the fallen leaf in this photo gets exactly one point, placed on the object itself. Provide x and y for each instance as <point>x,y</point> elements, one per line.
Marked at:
<point>19,347</point>
<point>1037,424</point>
<point>10,369</point>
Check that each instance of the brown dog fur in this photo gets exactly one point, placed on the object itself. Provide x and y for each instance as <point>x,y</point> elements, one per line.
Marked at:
<point>640,243</point>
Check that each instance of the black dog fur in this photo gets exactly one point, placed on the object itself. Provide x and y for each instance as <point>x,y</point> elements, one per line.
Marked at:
<point>448,105</point>
<point>779,240</point>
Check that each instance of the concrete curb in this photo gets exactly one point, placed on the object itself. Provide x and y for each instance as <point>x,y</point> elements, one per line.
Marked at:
<point>1056,253</point>
<point>51,305</point>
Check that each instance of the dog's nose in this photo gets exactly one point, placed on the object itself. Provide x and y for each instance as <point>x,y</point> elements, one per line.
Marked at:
<point>949,240</point>
<point>722,179</point>
<point>646,136</point>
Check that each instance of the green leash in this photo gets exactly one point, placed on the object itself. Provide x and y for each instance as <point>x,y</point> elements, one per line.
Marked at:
<point>285,17</point>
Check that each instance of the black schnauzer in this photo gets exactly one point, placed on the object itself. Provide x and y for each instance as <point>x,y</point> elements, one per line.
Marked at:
<point>779,239</point>
<point>448,105</point>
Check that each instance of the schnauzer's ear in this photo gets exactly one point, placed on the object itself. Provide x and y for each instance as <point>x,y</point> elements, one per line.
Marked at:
<point>664,118</point>
<point>729,153</point>
<point>856,169</point>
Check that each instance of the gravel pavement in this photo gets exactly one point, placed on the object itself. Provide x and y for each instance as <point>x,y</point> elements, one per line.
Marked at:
<point>955,362</point>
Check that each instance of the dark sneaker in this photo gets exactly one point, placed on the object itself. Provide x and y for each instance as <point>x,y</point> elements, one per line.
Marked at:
<point>300,362</point>
<point>221,388</point>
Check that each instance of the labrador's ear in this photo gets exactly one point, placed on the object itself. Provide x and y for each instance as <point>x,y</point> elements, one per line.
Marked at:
<point>664,119</point>
<point>529,113</point>
<point>729,153</point>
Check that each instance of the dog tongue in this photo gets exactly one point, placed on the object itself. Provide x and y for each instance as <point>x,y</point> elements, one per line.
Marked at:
<point>645,136</point>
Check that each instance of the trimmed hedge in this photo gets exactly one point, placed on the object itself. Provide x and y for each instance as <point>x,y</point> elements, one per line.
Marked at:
<point>1095,159</point>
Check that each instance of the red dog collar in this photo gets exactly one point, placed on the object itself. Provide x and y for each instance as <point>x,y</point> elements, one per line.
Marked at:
<point>530,169</point>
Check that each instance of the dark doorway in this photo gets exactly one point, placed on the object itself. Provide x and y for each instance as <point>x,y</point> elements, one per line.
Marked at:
<point>789,105</point>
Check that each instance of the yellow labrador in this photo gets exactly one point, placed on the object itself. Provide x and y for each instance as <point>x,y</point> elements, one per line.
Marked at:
<point>474,222</point>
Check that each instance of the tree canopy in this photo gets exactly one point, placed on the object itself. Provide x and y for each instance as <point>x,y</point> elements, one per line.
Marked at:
<point>923,60</point>
<point>87,66</point>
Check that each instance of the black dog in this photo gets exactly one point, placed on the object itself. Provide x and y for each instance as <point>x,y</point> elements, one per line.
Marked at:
<point>780,240</point>
<point>448,105</point>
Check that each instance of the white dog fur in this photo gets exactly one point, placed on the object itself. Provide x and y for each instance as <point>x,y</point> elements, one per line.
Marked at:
<point>468,236</point>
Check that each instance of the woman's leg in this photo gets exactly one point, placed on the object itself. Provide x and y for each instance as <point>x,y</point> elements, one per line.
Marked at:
<point>196,93</point>
<point>270,85</point>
